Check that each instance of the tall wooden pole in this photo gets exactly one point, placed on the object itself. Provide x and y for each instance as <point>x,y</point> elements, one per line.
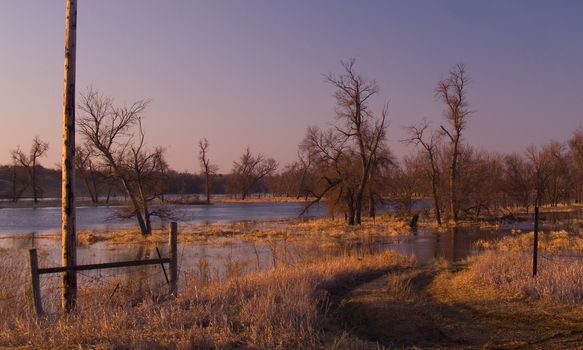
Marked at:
<point>68,231</point>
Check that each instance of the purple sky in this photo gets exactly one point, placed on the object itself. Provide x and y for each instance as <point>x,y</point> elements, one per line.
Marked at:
<point>251,72</point>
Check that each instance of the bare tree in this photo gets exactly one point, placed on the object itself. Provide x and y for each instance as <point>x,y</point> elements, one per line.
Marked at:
<point>576,145</point>
<point>117,136</point>
<point>208,170</point>
<point>576,151</point>
<point>305,186</point>
<point>30,163</point>
<point>418,137</point>
<point>541,167</point>
<point>296,178</point>
<point>250,170</point>
<point>517,180</point>
<point>452,92</point>
<point>18,180</point>
<point>89,171</point>
<point>334,162</point>
<point>383,163</point>
<point>360,126</point>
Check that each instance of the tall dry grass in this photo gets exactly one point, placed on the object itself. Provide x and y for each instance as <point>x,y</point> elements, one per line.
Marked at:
<point>498,275</point>
<point>555,242</point>
<point>504,268</point>
<point>281,308</point>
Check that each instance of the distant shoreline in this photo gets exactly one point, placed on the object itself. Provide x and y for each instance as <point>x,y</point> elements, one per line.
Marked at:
<point>174,199</point>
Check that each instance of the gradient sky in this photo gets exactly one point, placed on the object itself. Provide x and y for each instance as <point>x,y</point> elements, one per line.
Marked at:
<point>251,72</point>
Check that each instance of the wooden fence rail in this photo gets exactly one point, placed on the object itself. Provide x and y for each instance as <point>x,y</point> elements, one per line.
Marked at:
<point>172,261</point>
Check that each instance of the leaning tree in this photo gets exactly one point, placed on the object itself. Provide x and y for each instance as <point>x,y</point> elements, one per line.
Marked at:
<point>117,136</point>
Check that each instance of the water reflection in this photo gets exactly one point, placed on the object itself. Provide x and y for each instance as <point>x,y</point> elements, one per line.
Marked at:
<point>103,218</point>
<point>228,256</point>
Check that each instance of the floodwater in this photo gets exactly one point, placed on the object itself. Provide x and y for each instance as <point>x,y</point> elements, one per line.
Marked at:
<point>41,220</point>
<point>30,227</point>
<point>426,244</point>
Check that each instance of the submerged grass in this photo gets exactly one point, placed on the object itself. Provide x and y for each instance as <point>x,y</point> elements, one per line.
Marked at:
<point>289,230</point>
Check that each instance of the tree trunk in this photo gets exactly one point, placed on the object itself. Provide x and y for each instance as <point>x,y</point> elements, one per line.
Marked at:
<point>436,200</point>
<point>68,231</point>
<point>14,198</point>
<point>208,188</point>
<point>147,225</point>
<point>94,184</point>
<point>88,186</point>
<point>351,211</point>
<point>452,182</point>
<point>371,206</point>
<point>360,190</point>
<point>33,182</point>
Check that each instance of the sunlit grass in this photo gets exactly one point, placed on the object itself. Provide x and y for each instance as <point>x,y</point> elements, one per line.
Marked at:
<point>552,241</point>
<point>281,308</point>
<point>495,275</point>
<point>289,230</point>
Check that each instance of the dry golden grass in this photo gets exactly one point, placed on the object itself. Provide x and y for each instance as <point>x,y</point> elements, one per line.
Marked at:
<point>282,308</point>
<point>552,242</point>
<point>258,231</point>
<point>262,199</point>
<point>507,275</point>
<point>385,224</point>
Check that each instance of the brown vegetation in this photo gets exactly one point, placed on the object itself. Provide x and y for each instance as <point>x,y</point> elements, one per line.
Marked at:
<point>282,308</point>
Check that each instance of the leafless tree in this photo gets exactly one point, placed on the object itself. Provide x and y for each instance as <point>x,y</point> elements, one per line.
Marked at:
<point>576,151</point>
<point>89,171</point>
<point>251,169</point>
<point>429,144</point>
<point>576,145</point>
<point>517,180</point>
<point>30,163</point>
<point>359,125</point>
<point>296,179</point>
<point>208,170</point>
<point>18,180</point>
<point>304,164</point>
<point>452,92</point>
<point>383,163</point>
<point>334,162</point>
<point>539,161</point>
<point>116,135</point>
<point>560,179</point>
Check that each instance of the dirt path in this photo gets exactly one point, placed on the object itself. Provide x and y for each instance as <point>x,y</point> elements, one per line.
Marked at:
<point>400,309</point>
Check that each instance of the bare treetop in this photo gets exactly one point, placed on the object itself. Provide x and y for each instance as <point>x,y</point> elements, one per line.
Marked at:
<point>352,94</point>
<point>452,92</point>
<point>251,169</point>
<point>107,126</point>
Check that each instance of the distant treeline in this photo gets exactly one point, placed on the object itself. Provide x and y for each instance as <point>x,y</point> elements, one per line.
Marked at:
<point>49,184</point>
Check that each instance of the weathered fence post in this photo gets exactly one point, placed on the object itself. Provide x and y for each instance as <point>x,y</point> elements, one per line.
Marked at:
<point>35,282</point>
<point>173,258</point>
<point>535,245</point>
